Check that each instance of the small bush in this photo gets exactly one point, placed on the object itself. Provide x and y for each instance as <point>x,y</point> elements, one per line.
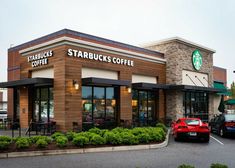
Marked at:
<point>80,140</point>
<point>4,145</point>
<point>56,134</point>
<point>128,138</point>
<point>5,138</point>
<point>185,166</point>
<point>143,138</point>
<point>61,141</point>
<point>22,143</point>
<point>119,130</point>
<point>112,138</point>
<point>70,135</point>
<point>88,135</point>
<point>41,143</point>
<point>34,139</point>
<point>97,140</point>
<point>138,130</point>
<point>218,165</point>
<point>161,125</point>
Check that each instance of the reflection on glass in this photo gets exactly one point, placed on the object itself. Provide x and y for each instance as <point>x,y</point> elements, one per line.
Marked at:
<point>143,107</point>
<point>99,105</point>
<point>43,104</point>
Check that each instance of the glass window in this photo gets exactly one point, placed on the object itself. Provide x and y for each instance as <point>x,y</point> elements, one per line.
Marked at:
<point>99,106</point>
<point>143,107</point>
<point>196,105</point>
<point>43,104</point>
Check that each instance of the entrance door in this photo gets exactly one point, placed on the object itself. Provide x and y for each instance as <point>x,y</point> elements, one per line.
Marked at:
<point>143,107</point>
<point>43,104</point>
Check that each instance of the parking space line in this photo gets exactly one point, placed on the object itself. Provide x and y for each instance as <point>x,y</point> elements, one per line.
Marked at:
<point>217,140</point>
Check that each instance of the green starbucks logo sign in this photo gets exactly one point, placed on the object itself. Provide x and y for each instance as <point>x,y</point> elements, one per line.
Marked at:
<point>197,60</point>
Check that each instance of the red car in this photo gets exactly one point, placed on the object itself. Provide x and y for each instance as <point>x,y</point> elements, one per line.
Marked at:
<point>190,128</point>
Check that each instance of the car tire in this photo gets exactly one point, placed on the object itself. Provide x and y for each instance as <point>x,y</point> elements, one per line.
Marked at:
<point>221,132</point>
<point>207,139</point>
<point>176,138</point>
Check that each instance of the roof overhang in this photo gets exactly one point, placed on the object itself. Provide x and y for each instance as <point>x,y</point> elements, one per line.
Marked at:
<point>193,88</point>
<point>105,82</point>
<point>149,86</point>
<point>27,82</point>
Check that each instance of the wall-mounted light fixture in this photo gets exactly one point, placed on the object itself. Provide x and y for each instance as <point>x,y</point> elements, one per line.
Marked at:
<point>129,89</point>
<point>75,84</point>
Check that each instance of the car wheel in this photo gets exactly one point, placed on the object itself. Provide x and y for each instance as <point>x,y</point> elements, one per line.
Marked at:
<point>176,138</point>
<point>221,132</point>
<point>207,139</point>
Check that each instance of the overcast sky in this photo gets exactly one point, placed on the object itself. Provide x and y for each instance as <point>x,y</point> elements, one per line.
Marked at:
<point>210,23</point>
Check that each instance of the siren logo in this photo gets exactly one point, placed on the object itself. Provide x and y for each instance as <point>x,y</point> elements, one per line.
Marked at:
<point>197,60</point>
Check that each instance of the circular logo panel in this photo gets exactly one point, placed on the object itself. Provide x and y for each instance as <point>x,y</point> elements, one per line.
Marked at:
<point>197,60</point>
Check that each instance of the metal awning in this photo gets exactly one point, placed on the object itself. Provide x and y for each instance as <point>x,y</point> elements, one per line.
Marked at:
<point>105,82</point>
<point>149,86</point>
<point>193,88</point>
<point>27,82</point>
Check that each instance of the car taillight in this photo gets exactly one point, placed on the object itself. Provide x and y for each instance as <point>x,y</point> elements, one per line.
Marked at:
<point>204,127</point>
<point>180,127</point>
<point>229,124</point>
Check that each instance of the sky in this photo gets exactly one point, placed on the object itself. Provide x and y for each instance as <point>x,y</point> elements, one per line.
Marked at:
<point>210,23</point>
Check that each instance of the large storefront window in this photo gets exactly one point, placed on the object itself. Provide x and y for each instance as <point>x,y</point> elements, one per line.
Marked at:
<point>143,107</point>
<point>99,106</point>
<point>43,105</point>
<point>196,105</point>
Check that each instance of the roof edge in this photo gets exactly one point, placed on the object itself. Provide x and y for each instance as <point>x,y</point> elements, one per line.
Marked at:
<point>79,34</point>
<point>177,39</point>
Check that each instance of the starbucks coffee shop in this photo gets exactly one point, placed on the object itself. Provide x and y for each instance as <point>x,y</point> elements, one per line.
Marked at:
<point>71,78</point>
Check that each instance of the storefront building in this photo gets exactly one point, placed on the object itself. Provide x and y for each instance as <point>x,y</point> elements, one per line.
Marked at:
<point>73,78</point>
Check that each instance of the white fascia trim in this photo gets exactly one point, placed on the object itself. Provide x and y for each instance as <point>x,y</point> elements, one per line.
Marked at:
<point>168,40</point>
<point>77,42</point>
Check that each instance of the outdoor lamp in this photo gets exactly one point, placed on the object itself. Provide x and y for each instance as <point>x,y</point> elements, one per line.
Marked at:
<point>129,89</point>
<point>75,84</point>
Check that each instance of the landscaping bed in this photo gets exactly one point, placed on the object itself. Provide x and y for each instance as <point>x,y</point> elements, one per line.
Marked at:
<point>92,138</point>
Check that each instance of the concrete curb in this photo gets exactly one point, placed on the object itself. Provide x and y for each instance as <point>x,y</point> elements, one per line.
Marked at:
<point>85,150</point>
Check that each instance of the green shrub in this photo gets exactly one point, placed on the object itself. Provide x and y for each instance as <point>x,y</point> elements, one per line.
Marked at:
<point>161,125</point>
<point>218,165</point>
<point>97,140</point>
<point>112,138</point>
<point>22,143</point>
<point>80,140</point>
<point>94,130</point>
<point>34,139</point>
<point>4,145</point>
<point>57,134</point>
<point>70,135</point>
<point>119,130</point>
<point>5,138</point>
<point>143,137</point>
<point>61,141</point>
<point>185,166</point>
<point>138,130</point>
<point>128,138</point>
<point>88,135</point>
<point>41,143</point>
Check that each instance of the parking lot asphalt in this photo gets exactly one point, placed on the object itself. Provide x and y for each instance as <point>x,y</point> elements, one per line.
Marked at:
<point>199,154</point>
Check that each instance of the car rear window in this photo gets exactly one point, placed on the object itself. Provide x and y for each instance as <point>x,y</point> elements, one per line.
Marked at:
<point>192,122</point>
<point>230,117</point>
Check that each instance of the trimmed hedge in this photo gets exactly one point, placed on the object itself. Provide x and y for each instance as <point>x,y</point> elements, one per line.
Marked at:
<point>95,136</point>
<point>218,165</point>
<point>185,166</point>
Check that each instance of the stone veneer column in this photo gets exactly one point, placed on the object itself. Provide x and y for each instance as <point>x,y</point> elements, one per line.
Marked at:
<point>178,56</point>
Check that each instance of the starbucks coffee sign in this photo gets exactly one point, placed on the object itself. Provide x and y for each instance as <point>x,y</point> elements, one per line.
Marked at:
<point>197,60</point>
